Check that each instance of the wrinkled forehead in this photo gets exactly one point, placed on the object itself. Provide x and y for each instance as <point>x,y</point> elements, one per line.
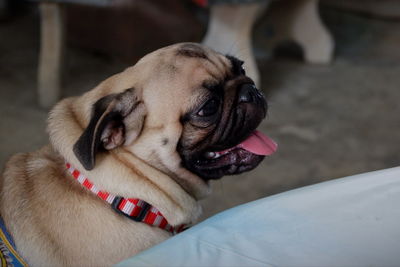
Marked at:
<point>180,73</point>
<point>191,61</point>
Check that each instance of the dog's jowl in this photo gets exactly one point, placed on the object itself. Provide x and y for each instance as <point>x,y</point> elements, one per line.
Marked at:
<point>128,160</point>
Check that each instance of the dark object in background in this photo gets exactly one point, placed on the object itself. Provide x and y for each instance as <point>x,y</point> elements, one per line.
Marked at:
<point>8,8</point>
<point>3,8</point>
<point>129,29</point>
<point>383,9</point>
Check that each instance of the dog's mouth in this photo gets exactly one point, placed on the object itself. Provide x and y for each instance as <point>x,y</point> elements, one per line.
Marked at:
<point>242,157</point>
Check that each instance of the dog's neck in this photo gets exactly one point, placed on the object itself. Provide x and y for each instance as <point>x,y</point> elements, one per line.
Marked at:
<point>117,172</point>
<point>133,208</point>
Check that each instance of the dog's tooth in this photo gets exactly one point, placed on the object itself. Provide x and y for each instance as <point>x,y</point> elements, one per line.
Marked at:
<point>210,155</point>
<point>217,155</point>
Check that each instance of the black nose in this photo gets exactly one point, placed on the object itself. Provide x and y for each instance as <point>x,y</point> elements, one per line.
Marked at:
<point>247,93</point>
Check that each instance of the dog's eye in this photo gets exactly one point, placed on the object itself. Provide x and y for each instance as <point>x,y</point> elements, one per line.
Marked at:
<point>209,108</point>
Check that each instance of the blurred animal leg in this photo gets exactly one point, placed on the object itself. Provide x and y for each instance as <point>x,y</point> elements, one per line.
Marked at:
<point>230,32</point>
<point>51,53</point>
<point>307,29</point>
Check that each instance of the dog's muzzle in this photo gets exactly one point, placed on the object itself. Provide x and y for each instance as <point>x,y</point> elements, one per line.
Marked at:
<point>239,147</point>
<point>248,93</point>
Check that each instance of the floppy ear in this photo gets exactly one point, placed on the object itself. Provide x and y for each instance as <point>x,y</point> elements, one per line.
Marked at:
<point>107,129</point>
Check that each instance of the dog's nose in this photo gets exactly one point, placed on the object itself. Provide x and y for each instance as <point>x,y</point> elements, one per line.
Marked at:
<point>247,93</point>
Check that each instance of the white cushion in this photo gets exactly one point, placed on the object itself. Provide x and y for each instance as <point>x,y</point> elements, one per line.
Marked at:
<point>353,221</point>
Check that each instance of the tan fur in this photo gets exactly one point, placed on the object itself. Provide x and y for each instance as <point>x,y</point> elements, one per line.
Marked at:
<point>56,222</point>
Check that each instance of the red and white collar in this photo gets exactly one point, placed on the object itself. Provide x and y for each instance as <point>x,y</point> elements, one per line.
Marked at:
<point>133,208</point>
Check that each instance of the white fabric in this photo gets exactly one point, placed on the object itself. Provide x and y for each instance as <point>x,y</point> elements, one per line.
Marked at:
<point>353,221</point>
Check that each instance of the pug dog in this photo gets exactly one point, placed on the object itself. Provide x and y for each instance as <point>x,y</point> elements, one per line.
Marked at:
<point>146,141</point>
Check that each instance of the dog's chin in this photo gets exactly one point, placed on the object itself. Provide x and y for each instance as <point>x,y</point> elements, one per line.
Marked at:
<point>214,165</point>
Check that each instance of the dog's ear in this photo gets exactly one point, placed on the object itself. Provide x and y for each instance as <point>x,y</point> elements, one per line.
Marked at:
<point>108,127</point>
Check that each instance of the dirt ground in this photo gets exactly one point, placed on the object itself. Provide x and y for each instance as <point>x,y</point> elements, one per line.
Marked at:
<point>329,121</point>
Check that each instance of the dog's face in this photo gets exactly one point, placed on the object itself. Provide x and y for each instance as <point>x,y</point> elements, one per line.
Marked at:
<point>183,109</point>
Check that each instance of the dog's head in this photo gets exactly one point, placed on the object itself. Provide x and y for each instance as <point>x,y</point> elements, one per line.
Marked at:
<point>183,109</point>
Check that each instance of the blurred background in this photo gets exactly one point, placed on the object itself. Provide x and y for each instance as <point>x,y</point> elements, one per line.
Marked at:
<point>330,120</point>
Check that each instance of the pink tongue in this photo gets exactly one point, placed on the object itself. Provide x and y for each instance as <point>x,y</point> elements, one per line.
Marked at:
<point>259,144</point>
